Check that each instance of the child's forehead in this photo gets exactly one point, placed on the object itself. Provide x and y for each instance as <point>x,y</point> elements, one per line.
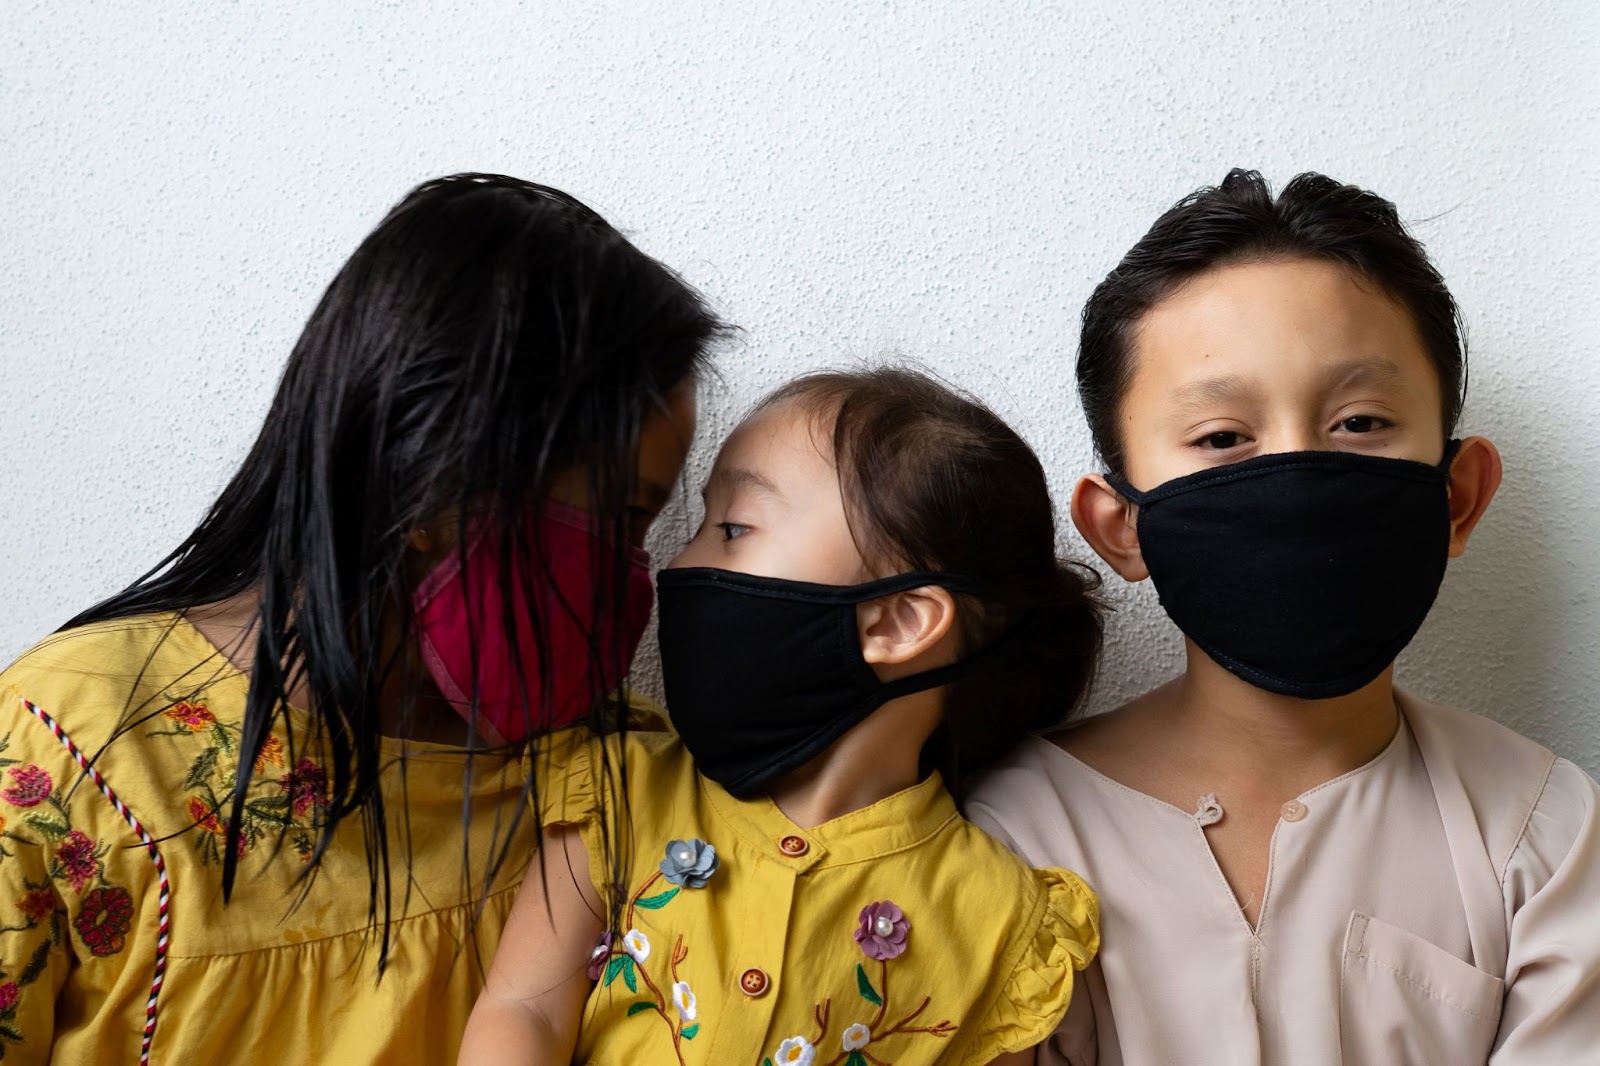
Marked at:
<point>1273,326</point>
<point>778,441</point>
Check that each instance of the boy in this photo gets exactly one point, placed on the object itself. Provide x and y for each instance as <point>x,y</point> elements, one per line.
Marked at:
<point>1299,863</point>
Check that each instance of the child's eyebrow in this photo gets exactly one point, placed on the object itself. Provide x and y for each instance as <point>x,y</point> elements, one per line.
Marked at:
<point>738,477</point>
<point>1372,370</point>
<point>1206,392</point>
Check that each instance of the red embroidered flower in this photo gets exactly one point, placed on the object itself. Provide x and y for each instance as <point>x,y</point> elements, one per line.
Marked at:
<point>78,860</point>
<point>8,995</point>
<point>204,817</point>
<point>307,785</point>
<point>37,903</point>
<point>271,752</point>
<point>30,786</point>
<point>103,921</point>
<point>192,716</point>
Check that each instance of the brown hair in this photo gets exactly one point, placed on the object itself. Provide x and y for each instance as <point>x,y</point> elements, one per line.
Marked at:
<point>934,480</point>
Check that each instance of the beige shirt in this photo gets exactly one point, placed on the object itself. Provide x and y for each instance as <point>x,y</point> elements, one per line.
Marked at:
<point>1441,904</point>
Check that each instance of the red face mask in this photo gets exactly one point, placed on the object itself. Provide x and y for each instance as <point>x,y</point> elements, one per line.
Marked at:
<point>452,607</point>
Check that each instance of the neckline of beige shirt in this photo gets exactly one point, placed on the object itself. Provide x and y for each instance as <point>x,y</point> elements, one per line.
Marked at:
<point>1373,916</point>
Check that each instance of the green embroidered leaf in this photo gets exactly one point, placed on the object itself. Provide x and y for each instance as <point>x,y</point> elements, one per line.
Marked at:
<point>224,738</point>
<point>691,1032</point>
<point>639,1008</point>
<point>614,967</point>
<point>855,1059</point>
<point>655,903</point>
<point>41,958</point>
<point>868,993</point>
<point>11,1033</point>
<point>50,825</point>
<point>766,1062</point>
<point>266,814</point>
<point>627,973</point>
<point>201,769</point>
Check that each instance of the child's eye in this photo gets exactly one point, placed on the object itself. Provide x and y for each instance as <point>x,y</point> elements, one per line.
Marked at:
<point>732,530</point>
<point>1363,424</point>
<point>1221,440</point>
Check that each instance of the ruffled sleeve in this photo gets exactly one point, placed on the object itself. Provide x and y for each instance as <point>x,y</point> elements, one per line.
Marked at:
<point>1036,994</point>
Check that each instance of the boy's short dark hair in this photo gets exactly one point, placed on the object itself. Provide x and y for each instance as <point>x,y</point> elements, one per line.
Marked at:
<point>1314,217</point>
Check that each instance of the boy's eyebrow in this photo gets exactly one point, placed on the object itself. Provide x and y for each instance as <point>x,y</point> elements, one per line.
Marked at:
<point>1204,392</point>
<point>1372,370</point>
<point>733,477</point>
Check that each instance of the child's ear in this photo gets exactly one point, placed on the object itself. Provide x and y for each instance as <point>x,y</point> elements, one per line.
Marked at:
<point>899,629</point>
<point>1110,524</point>
<point>1474,476</point>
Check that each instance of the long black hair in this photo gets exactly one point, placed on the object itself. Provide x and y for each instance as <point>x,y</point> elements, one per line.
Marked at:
<point>489,335</point>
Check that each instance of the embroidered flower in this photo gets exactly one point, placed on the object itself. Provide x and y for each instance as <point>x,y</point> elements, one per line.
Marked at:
<point>192,716</point>
<point>795,1051</point>
<point>203,816</point>
<point>271,752</point>
<point>307,786</point>
<point>689,863</point>
<point>600,956</point>
<point>883,929</point>
<point>857,1037</point>
<point>37,904</point>
<point>78,861</point>
<point>30,786</point>
<point>636,944</point>
<point>103,921</point>
<point>8,995</point>
<point>683,999</point>
<point>2,823</point>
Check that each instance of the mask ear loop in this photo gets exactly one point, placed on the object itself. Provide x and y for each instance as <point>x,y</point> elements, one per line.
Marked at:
<point>963,667</point>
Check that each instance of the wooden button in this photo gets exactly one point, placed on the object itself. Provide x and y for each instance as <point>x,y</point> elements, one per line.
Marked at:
<point>1293,811</point>
<point>754,982</point>
<point>794,846</point>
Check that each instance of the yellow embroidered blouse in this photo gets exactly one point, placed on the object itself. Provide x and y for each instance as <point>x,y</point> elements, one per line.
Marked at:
<point>898,934</point>
<point>112,924</point>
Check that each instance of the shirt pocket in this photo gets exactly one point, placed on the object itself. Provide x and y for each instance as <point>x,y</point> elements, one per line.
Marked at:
<point>1405,1000</point>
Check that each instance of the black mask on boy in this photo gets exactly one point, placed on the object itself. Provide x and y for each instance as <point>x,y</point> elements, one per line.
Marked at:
<point>1304,573</point>
<point>762,674</point>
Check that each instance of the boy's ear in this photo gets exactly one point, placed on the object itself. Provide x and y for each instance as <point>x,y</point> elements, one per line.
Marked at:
<point>897,630</point>
<point>1110,524</point>
<point>1474,476</point>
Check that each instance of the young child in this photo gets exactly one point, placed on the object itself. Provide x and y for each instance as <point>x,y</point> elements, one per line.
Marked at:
<point>1303,865</point>
<point>872,608</point>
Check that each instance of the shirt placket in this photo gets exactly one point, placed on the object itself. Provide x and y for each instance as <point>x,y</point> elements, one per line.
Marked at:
<point>758,965</point>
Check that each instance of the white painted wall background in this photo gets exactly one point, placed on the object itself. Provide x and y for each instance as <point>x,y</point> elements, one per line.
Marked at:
<point>944,179</point>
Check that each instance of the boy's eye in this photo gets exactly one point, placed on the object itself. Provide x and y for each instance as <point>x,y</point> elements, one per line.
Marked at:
<point>732,530</point>
<point>1362,424</point>
<point>1220,440</point>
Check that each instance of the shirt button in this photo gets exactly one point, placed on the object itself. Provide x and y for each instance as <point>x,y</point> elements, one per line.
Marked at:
<point>1293,811</point>
<point>754,982</point>
<point>794,846</point>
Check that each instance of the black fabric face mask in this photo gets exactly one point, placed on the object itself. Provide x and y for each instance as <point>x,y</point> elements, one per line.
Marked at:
<point>762,674</point>
<point>1304,573</point>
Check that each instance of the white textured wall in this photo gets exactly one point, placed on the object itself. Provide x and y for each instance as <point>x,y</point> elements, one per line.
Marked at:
<point>941,179</point>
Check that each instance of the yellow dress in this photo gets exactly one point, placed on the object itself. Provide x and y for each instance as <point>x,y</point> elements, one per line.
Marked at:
<point>897,935</point>
<point>112,922</point>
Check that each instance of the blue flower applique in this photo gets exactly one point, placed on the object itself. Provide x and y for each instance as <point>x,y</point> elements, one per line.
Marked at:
<point>689,863</point>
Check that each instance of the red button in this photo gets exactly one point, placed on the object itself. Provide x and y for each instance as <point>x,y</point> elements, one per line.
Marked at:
<point>793,846</point>
<point>754,982</point>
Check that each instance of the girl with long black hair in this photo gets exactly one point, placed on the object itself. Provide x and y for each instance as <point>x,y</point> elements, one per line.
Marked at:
<point>270,799</point>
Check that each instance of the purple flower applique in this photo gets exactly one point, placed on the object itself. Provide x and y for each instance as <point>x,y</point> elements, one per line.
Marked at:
<point>602,954</point>
<point>883,929</point>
